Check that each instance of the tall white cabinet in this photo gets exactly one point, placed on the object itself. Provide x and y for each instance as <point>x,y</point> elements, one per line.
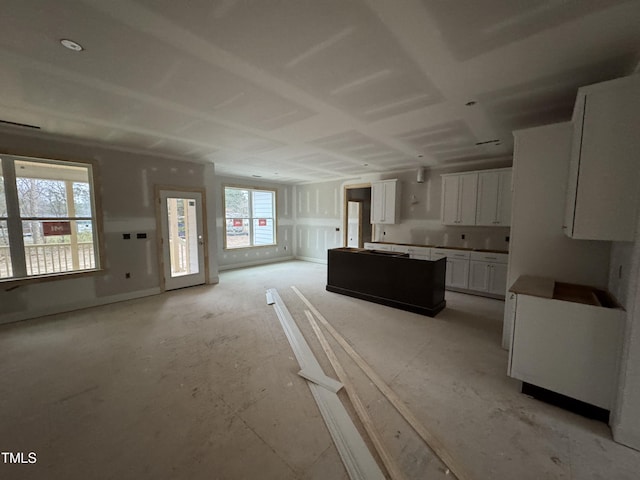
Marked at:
<point>604,172</point>
<point>385,202</point>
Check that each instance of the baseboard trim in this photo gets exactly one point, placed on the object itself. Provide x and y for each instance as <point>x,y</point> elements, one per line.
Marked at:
<point>313,260</point>
<point>626,437</point>
<point>70,307</point>
<point>255,263</point>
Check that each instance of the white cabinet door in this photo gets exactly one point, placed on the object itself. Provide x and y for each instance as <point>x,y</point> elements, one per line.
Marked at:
<point>450,199</point>
<point>385,203</point>
<point>459,194</point>
<point>488,188</point>
<point>391,202</point>
<point>498,279</point>
<point>503,218</point>
<point>479,274</point>
<point>468,187</point>
<point>602,198</point>
<point>457,272</point>
<point>494,198</point>
<point>377,202</point>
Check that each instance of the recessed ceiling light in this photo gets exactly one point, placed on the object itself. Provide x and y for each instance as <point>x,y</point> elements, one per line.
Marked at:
<point>471,103</point>
<point>257,176</point>
<point>420,156</point>
<point>71,45</point>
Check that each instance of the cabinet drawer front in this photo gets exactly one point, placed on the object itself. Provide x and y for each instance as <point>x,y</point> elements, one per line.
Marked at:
<point>400,248</point>
<point>442,252</point>
<point>490,257</point>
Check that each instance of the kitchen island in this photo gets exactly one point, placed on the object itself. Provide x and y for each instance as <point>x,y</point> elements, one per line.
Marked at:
<point>388,278</point>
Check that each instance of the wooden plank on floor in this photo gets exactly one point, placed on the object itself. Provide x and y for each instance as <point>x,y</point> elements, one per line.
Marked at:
<point>361,411</point>
<point>430,439</point>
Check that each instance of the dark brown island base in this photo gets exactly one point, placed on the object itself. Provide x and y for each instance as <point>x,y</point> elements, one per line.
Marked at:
<point>388,278</point>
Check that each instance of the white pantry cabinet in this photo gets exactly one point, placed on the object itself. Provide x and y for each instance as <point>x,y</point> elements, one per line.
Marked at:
<point>604,172</point>
<point>494,198</point>
<point>385,202</point>
<point>459,192</point>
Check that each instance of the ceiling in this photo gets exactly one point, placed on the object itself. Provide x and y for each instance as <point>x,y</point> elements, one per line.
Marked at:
<point>308,90</point>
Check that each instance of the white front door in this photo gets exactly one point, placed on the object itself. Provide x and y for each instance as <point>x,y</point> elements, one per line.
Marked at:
<point>182,238</point>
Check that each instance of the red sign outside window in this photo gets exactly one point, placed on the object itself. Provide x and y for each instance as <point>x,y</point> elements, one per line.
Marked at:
<point>56,228</point>
<point>237,222</point>
<point>262,222</point>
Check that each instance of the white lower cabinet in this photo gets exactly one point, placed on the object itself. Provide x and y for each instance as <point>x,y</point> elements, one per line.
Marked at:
<point>385,247</point>
<point>488,272</point>
<point>566,342</point>
<point>457,266</point>
<point>479,275</point>
<point>420,253</point>
<point>457,273</point>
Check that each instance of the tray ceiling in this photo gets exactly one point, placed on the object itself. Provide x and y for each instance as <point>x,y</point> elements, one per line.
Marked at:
<point>305,90</point>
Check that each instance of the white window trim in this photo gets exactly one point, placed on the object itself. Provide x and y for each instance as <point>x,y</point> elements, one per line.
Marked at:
<point>14,220</point>
<point>251,217</point>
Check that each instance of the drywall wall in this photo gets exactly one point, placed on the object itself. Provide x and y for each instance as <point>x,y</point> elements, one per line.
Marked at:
<point>126,188</point>
<point>538,244</point>
<point>318,218</point>
<point>420,215</point>
<point>624,282</point>
<point>244,257</point>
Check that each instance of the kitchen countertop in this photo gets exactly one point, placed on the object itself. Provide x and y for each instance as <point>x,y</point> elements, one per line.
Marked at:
<point>446,247</point>
<point>534,286</point>
<point>544,287</point>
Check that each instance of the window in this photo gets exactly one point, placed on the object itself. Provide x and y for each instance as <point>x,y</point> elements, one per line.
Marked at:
<point>47,217</point>
<point>250,217</point>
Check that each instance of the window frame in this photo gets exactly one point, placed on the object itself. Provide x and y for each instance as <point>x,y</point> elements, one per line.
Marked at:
<point>14,218</point>
<point>251,217</point>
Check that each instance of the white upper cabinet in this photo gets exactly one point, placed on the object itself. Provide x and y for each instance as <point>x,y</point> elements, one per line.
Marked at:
<point>477,198</point>
<point>604,173</point>
<point>459,196</point>
<point>385,201</point>
<point>494,198</point>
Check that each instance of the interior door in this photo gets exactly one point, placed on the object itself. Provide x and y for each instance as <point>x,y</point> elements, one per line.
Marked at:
<point>354,225</point>
<point>182,238</point>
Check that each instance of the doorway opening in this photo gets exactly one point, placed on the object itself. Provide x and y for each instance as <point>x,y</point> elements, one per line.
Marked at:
<point>357,226</point>
<point>182,238</point>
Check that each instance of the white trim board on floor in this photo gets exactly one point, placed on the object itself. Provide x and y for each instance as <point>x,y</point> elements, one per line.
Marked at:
<point>354,452</point>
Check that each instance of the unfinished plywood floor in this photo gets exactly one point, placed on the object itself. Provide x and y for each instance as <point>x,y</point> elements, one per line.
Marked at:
<point>201,384</point>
